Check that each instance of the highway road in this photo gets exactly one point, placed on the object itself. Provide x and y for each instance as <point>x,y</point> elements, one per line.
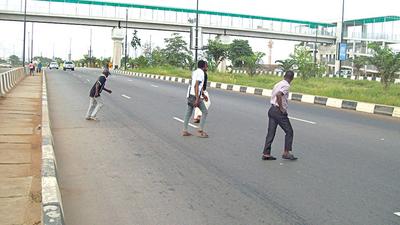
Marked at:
<point>133,167</point>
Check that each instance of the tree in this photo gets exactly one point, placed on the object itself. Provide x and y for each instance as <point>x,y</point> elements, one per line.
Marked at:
<point>252,63</point>
<point>135,42</point>
<point>386,61</point>
<point>237,50</point>
<point>141,61</point>
<point>286,64</point>
<point>3,60</point>
<point>358,63</point>
<point>43,60</point>
<point>157,57</point>
<point>304,62</point>
<point>176,52</point>
<point>217,51</point>
<point>14,60</point>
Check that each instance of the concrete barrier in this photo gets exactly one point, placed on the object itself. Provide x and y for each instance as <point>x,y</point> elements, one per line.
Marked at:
<point>52,210</point>
<point>9,79</point>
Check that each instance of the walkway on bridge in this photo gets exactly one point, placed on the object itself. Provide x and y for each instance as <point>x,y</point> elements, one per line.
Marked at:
<point>20,153</point>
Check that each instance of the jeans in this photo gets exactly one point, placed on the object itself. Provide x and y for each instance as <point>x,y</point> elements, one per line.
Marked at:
<point>94,106</point>
<point>276,117</point>
<point>189,113</point>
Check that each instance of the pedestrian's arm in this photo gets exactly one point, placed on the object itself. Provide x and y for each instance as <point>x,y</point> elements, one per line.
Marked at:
<point>108,90</point>
<point>196,92</point>
<point>279,101</point>
<point>96,94</point>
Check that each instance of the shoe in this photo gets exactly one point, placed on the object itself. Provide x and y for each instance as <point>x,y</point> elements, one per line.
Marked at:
<point>202,134</point>
<point>196,121</point>
<point>93,118</point>
<point>264,157</point>
<point>186,134</point>
<point>88,118</point>
<point>289,157</point>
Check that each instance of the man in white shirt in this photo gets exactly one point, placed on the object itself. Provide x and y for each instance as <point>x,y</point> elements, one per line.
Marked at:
<point>278,115</point>
<point>195,91</point>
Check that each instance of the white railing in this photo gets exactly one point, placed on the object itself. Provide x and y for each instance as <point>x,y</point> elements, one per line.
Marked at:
<point>9,79</point>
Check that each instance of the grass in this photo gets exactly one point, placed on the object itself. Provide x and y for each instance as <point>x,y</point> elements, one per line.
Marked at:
<point>360,90</point>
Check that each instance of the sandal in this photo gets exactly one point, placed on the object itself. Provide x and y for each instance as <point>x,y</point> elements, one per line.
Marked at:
<point>264,157</point>
<point>289,157</point>
<point>203,134</point>
<point>186,134</point>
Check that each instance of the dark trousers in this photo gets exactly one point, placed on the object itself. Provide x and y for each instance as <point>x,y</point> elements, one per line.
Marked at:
<point>276,117</point>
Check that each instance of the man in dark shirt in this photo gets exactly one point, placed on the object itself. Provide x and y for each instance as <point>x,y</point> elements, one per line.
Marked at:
<point>95,99</point>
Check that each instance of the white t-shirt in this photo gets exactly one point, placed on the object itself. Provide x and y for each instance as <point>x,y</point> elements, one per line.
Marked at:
<point>282,86</point>
<point>197,75</point>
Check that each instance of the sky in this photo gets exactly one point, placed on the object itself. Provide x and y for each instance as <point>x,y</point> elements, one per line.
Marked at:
<point>58,37</point>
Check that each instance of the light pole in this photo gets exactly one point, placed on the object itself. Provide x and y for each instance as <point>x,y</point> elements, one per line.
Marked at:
<point>196,46</point>
<point>23,48</point>
<point>341,39</point>
<point>315,45</point>
<point>32,43</point>
<point>126,38</point>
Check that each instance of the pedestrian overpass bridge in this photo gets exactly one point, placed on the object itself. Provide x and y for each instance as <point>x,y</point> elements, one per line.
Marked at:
<point>105,13</point>
<point>113,14</point>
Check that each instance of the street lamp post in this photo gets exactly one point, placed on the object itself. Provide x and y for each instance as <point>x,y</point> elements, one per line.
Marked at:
<point>341,38</point>
<point>32,43</point>
<point>197,32</point>
<point>23,47</point>
<point>126,38</point>
<point>315,45</point>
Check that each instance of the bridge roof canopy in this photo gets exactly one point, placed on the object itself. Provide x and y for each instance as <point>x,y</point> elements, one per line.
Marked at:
<point>185,10</point>
<point>380,19</point>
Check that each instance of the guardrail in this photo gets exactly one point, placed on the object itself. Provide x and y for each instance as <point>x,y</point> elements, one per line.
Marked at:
<point>52,210</point>
<point>9,79</point>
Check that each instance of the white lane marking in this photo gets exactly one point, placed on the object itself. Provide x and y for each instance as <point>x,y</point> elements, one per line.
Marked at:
<point>177,119</point>
<point>305,121</point>
<point>130,80</point>
<point>397,213</point>
<point>88,80</point>
<point>126,96</point>
<point>154,86</point>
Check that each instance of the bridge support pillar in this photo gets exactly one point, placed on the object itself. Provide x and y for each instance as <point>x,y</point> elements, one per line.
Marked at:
<point>117,37</point>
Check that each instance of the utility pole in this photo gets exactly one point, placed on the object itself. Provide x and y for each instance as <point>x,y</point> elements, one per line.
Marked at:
<point>32,43</point>
<point>341,39</point>
<point>29,47</point>
<point>126,38</point>
<point>23,48</point>
<point>69,55</point>
<point>90,48</point>
<point>315,45</point>
<point>197,33</point>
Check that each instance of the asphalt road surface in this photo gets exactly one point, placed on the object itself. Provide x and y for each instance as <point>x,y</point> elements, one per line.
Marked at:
<point>133,167</point>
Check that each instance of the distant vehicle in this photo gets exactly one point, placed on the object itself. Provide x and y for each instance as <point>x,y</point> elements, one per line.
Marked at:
<point>53,65</point>
<point>344,72</point>
<point>5,65</point>
<point>68,65</point>
<point>278,70</point>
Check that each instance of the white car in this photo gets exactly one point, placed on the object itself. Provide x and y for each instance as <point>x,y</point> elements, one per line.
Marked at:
<point>68,65</point>
<point>53,65</point>
<point>5,65</point>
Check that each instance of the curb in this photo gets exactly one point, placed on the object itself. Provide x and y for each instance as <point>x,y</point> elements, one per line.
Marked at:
<point>52,210</point>
<point>312,99</point>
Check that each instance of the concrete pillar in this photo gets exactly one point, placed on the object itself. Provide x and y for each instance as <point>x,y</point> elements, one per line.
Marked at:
<point>117,36</point>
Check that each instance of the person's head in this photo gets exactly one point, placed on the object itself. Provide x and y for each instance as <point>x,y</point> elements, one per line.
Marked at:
<point>289,76</point>
<point>106,72</point>
<point>202,65</point>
